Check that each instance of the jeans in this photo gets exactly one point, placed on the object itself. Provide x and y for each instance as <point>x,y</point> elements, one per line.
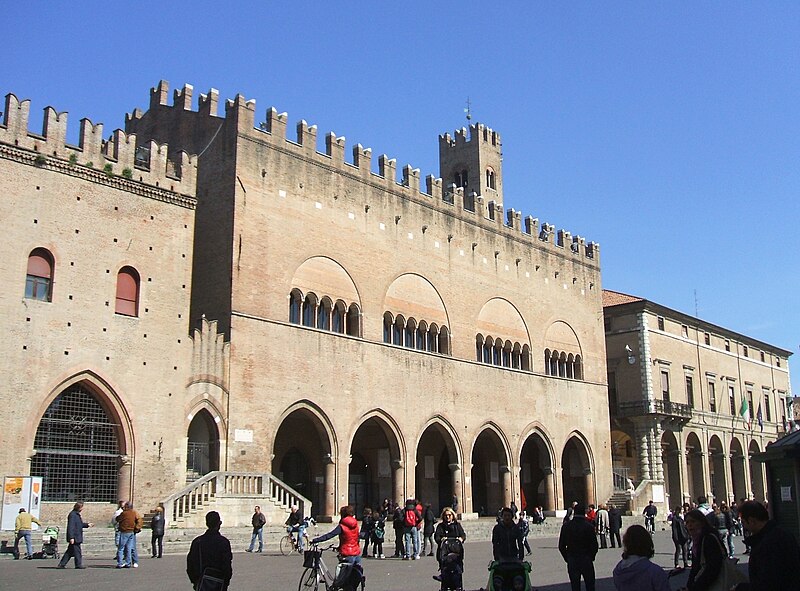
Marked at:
<point>23,533</point>
<point>72,550</point>
<point>134,551</point>
<point>603,542</point>
<point>579,565</point>
<point>125,548</point>
<point>257,534</point>
<point>399,546</point>
<point>727,538</point>
<point>411,542</point>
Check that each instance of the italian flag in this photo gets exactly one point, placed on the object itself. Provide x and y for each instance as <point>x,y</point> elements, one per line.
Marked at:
<point>744,411</point>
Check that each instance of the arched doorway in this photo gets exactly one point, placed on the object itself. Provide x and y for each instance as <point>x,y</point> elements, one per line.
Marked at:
<point>756,473</point>
<point>303,459</point>
<point>437,467</point>
<point>716,469</point>
<point>375,455</point>
<point>670,458</point>
<point>738,476</point>
<point>489,469</point>
<point>536,474</point>
<point>576,473</point>
<point>623,459</point>
<point>694,467</point>
<point>77,448</point>
<point>202,447</point>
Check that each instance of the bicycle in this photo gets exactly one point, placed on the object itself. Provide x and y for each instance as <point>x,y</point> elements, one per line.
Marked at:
<point>318,576</point>
<point>291,545</point>
<point>650,524</point>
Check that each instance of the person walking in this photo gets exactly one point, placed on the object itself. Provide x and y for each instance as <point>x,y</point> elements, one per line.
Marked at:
<point>210,554</point>
<point>157,536</point>
<point>635,572</point>
<point>258,521</point>
<point>22,530</point>
<point>602,526</point>
<point>429,517</point>
<point>614,525</point>
<point>448,527</point>
<point>707,552</point>
<point>578,546</point>
<point>774,554</point>
<point>75,527</point>
<point>680,537</point>
<point>115,524</point>
<point>507,538</point>
<point>729,525</point>
<point>525,529</point>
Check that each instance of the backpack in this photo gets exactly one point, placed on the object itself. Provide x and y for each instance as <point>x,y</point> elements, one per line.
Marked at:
<point>379,531</point>
<point>411,518</point>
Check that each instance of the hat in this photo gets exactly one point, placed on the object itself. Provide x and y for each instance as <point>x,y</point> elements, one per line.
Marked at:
<point>22,509</point>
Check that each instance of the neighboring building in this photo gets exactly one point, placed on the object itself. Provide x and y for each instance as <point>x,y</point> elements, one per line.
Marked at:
<point>691,402</point>
<point>357,337</point>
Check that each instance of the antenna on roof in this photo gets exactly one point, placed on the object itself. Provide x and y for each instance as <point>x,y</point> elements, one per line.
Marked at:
<point>696,314</point>
<point>468,110</point>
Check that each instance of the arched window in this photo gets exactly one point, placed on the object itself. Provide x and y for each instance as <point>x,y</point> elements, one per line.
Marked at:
<point>354,320</point>
<point>487,350</point>
<point>444,341</point>
<point>507,354</point>
<point>525,358</point>
<point>39,279</point>
<point>324,314</point>
<point>387,327</point>
<point>554,363</point>
<point>578,368</point>
<point>479,347</point>
<point>410,336</point>
<point>490,182</point>
<point>309,310</point>
<point>433,339</point>
<point>295,305</point>
<point>337,317</point>
<point>127,292</point>
<point>547,362</point>
<point>562,365</point>
<point>76,451</point>
<point>397,334</point>
<point>570,366</point>
<point>422,334</point>
<point>497,352</point>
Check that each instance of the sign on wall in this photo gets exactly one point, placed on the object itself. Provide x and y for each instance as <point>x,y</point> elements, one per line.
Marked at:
<point>20,492</point>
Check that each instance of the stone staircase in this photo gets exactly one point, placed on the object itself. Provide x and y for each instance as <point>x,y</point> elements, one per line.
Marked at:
<point>233,495</point>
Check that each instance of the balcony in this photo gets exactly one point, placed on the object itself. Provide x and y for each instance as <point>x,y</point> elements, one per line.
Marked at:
<point>665,408</point>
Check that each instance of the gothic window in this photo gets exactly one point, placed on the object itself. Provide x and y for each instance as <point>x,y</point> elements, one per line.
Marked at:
<point>490,178</point>
<point>324,314</point>
<point>39,278</point>
<point>337,317</point>
<point>127,301</point>
<point>397,333</point>
<point>422,333</point>
<point>309,310</point>
<point>433,339</point>
<point>479,348</point>
<point>295,305</point>
<point>354,320</point>
<point>388,326</point>
<point>76,451</point>
<point>410,336</point>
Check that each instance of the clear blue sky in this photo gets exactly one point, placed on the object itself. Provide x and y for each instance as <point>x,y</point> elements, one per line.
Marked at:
<point>667,132</point>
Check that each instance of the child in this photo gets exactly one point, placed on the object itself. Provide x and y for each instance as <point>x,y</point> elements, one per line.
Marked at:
<point>377,538</point>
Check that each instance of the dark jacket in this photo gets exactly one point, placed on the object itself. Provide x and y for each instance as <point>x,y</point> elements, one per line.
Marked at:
<point>448,530</point>
<point>258,521</point>
<point>614,520</point>
<point>157,524</point>
<point>507,543</point>
<point>397,519</point>
<point>710,550</point>
<point>75,527</point>
<point>211,550</point>
<point>577,538</point>
<point>680,535</point>
<point>430,522</point>
<point>774,560</point>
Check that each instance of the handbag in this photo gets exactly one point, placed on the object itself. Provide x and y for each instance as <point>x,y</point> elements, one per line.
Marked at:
<point>211,580</point>
<point>729,574</point>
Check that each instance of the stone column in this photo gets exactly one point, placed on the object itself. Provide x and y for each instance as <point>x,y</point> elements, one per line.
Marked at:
<point>398,481</point>
<point>550,487</point>
<point>329,498</point>
<point>589,483</point>
<point>727,472</point>
<point>507,496</point>
<point>657,460</point>
<point>455,471</point>
<point>125,478</point>
<point>683,475</point>
<point>748,483</point>
<point>641,433</point>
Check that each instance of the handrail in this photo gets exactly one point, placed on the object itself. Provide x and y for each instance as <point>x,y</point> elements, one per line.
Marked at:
<point>194,495</point>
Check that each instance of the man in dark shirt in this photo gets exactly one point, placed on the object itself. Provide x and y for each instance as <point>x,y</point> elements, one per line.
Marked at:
<point>650,513</point>
<point>578,546</point>
<point>774,555</point>
<point>210,554</point>
<point>507,543</point>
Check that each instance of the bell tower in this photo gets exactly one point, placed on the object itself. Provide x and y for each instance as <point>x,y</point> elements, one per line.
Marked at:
<point>473,159</point>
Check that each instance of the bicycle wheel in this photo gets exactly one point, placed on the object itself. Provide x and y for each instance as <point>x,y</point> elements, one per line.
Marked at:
<point>287,545</point>
<point>310,581</point>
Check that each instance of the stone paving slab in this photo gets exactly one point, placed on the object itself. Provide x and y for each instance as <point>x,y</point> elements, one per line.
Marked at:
<point>267,572</point>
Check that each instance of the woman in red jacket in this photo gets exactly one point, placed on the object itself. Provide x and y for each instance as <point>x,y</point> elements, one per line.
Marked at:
<point>347,530</point>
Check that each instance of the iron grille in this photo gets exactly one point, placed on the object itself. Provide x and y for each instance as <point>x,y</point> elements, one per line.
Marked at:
<point>75,450</point>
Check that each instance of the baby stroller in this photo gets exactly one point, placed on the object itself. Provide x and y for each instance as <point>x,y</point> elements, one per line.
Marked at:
<point>451,563</point>
<point>509,576</point>
<point>50,542</point>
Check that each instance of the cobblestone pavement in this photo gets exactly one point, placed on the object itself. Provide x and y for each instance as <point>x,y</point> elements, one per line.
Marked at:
<point>267,572</point>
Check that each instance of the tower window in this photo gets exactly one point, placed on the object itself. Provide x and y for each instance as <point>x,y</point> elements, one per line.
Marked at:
<point>490,179</point>
<point>127,302</point>
<point>461,179</point>
<point>39,279</point>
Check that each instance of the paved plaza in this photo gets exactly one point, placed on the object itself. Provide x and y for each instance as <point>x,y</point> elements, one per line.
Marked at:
<point>265,572</point>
